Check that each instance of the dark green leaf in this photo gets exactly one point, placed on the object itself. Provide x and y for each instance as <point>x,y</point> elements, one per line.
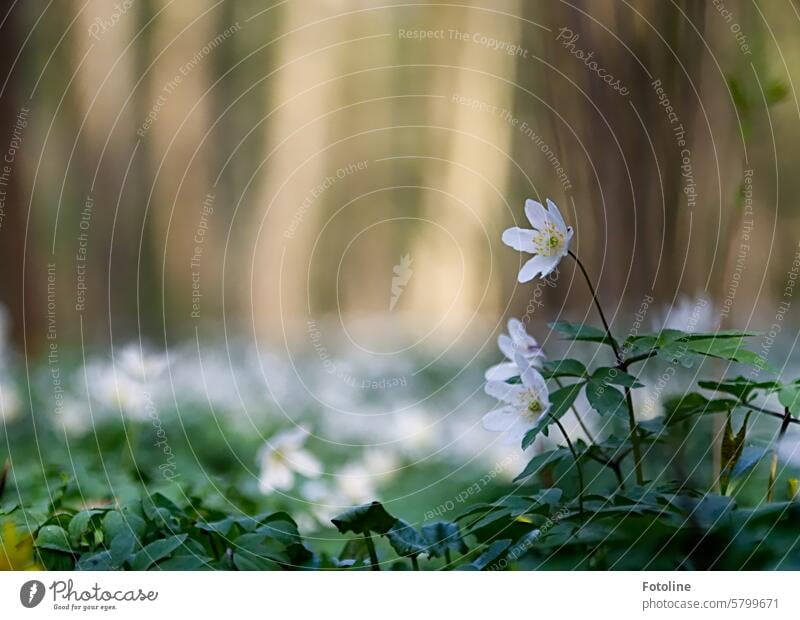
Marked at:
<point>542,460</point>
<point>95,561</point>
<point>366,518</point>
<point>605,399</point>
<point>731,450</point>
<point>680,408</point>
<point>581,331</point>
<point>740,387</point>
<point>405,540</point>
<point>156,551</point>
<point>441,536</point>
<point>615,376</point>
<point>552,369</point>
<point>54,538</point>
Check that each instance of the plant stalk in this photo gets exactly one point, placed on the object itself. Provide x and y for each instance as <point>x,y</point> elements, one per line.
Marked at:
<point>373,555</point>
<point>577,462</point>
<point>634,433</point>
<point>773,468</point>
<point>414,562</point>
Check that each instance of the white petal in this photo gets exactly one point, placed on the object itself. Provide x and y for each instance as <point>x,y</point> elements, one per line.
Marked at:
<point>552,263</point>
<point>532,378</point>
<point>501,371</point>
<point>523,342</point>
<point>537,215</point>
<point>506,346</point>
<point>500,420</point>
<point>292,438</point>
<point>537,265</point>
<point>555,216</point>
<point>515,434</point>
<point>520,239</point>
<point>305,463</point>
<point>507,392</point>
<point>275,476</point>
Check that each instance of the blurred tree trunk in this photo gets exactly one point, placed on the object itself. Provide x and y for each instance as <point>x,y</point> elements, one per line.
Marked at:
<point>472,176</point>
<point>278,249</point>
<point>20,290</point>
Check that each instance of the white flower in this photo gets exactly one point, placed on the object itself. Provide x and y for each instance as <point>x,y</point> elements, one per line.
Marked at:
<point>525,403</point>
<point>140,365</point>
<point>116,391</point>
<point>353,484</point>
<point>548,241</point>
<point>10,403</point>
<point>517,341</point>
<point>283,456</point>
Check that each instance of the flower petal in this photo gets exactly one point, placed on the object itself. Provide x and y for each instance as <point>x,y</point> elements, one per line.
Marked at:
<point>537,214</point>
<point>520,239</point>
<point>553,263</point>
<point>501,371</point>
<point>538,265</point>
<point>305,463</point>
<point>523,342</point>
<point>507,392</point>
<point>275,476</point>
<point>506,346</point>
<point>500,420</point>
<point>555,216</point>
<point>518,430</point>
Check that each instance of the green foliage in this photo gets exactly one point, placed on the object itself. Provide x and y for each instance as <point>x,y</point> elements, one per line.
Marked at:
<point>560,402</point>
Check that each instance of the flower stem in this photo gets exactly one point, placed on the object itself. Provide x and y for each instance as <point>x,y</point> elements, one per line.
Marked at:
<point>577,416</point>
<point>637,450</point>
<point>373,555</point>
<point>773,469</point>
<point>611,340</point>
<point>447,558</point>
<point>577,462</point>
<point>414,562</point>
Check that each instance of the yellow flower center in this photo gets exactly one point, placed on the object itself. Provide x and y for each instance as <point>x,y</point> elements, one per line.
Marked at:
<point>534,408</point>
<point>549,240</point>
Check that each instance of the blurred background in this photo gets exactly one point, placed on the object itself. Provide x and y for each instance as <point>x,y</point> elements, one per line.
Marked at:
<point>305,199</point>
<point>298,152</point>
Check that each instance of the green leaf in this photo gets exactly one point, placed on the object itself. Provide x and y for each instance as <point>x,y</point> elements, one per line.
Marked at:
<point>156,551</point>
<point>730,451</point>
<point>492,553</point>
<point>442,536</point>
<point>186,562</point>
<point>95,561</point>
<point>740,387</point>
<point>615,376</point>
<point>552,369</point>
<point>405,540</point>
<point>79,525</point>
<point>538,462</point>
<point>581,332</point>
<point>605,399</point>
<point>53,537</point>
<point>680,408</point>
<point>560,402</point>
<point>363,519</point>
<point>249,562</point>
<point>789,397</point>
<point>122,546</point>
<point>731,348</point>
